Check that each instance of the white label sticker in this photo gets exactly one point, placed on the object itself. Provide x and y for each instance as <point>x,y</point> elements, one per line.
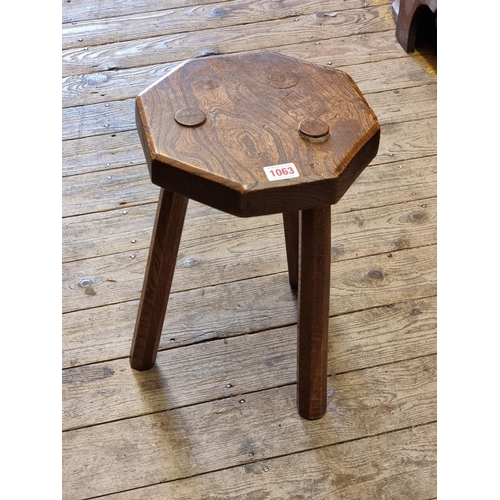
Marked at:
<point>284,171</point>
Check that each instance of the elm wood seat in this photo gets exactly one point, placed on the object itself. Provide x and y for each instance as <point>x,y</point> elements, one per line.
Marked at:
<point>254,134</point>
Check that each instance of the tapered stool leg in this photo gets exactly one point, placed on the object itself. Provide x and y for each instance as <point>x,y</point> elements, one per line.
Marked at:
<point>165,241</point>
<point>291,226</point>
<point>314,301</point>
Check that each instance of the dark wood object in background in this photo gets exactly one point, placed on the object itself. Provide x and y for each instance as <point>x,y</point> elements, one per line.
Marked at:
<point>255,134</point>
<point>407,14</point>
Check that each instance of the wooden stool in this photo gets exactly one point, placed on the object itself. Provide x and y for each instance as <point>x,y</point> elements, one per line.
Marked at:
<point>254,134</point>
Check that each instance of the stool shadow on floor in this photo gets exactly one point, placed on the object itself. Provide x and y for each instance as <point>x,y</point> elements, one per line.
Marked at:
<point>167,437</point>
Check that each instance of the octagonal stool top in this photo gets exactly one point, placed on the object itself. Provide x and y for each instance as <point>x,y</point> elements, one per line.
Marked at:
<point>255,134</point>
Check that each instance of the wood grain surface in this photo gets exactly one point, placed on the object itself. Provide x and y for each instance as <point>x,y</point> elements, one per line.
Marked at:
<point>346,51</point>
<point>183,18</point>
<point>360,470</point>
<point>165,446</point>
<point>314,310</point>
<point>264,35</point>
<point>355,285</point>
<point>254,104</point>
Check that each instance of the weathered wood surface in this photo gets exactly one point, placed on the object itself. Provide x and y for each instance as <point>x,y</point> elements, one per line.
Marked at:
<point>187,19</point>
<point>125,187</point>
<point>116,117</point>
<point>382,325</point>
<point>205,262</point>
<point>132,230</point>
<point>407,274</point>
<point>94,151</point>
<point>356,234</point>
<point>108,391</point>
<point>79,11</point>
<point>345,51</point>
<point>163,446</point>
<point>232,39</point>
<point>374,467</point>
<point>105,333</point>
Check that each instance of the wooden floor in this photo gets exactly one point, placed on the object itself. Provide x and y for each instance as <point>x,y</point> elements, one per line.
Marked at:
<point>216,417</point>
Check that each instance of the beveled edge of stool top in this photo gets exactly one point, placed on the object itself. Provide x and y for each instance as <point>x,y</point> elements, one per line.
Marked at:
<point>255,134</point>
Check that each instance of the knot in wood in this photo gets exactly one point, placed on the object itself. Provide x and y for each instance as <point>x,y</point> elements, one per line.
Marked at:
<point>375,274</point>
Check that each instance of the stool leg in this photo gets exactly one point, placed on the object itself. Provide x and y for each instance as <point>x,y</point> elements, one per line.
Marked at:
<point>158,279</point>
<point>314,301</point>
<point>291,226</point>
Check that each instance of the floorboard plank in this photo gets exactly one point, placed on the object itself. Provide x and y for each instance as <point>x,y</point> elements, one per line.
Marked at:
<point>115,150</point>
<point>115,117</point>
<point>111,390</point>
<point>126,187</point>
<point>355,234</point>
<point>98,119</point>
<point>175,444</point>
<point>82,235</point>
<point>118,278</point>
<point>349,50</point>
<point>128,234</point>
<point>372,468</point>
<point>232,39</point>
<point>188,19</point>
<point>101,152</point>
<point>76,11</point>
<point>105,333</point>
